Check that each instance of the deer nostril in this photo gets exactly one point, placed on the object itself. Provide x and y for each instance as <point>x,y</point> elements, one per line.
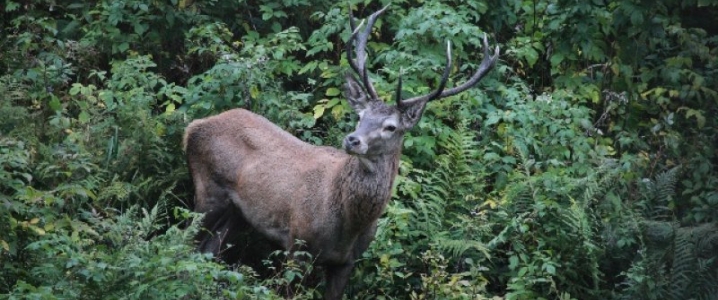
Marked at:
<point>353,141</point>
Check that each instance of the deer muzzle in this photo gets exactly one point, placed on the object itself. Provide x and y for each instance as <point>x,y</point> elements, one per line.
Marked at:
<point>355,145</point>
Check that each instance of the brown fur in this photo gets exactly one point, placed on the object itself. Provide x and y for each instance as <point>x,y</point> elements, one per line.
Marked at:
<point>286,189</point>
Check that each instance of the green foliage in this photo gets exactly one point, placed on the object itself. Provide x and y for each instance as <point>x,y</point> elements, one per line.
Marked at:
<point>676,262</point>
<point>551,178</point>
<point>101,255</point>
<point>439,284</point>
<point>291,272</point>
<point>583,167</point>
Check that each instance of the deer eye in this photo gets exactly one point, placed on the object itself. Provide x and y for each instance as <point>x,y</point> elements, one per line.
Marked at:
<point>390,128</point>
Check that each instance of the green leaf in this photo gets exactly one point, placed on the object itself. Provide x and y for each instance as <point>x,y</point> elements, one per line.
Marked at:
<point>84,117</point>
<point>254,91</point>
<point>551,269</point>
<point>139,28</point>
<point>531,56</point>
<point>493,119</point>
<point>11,6</point>
<point>332,102</point>
<point>54,103</point>
<point>491,156</point>
<point>636,17</point>
<point>513,262</point>
<point>700,118</point>
<point>556,59</point>
<point>75,89</point>
<point>331,92</point>
<point>408,143</point>
<point>318,111</point>
<point>123,47</point>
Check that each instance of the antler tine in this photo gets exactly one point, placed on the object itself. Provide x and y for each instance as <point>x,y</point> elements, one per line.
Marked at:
<point>350,43</point>
<point>352,22</point>
<point>487,64</point>
<point>431,96</point>
<point>398,90</point>
<point>359,64</point>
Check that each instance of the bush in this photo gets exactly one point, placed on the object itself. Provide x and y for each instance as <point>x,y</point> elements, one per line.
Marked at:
<point>582,168</point>
<point>101,255</point>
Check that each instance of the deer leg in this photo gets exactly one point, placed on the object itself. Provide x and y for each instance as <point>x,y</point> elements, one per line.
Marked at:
<point>215,232</point>
<point>363,241</point>
<point>337,277</point>
<point>222,227</point>
<point>205,235</point>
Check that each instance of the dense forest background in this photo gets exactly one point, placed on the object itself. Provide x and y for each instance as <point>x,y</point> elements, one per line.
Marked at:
<point>582,167</point>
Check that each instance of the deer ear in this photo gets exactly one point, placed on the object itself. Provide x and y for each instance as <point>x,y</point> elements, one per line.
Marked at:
<point>411,113</point>
<point>355,94</point>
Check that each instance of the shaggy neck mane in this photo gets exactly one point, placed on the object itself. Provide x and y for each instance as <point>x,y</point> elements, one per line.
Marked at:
<point>367,186</point>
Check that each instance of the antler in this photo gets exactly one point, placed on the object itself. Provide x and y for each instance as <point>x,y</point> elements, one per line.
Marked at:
<point>486,65</point>
<point>359,64</point>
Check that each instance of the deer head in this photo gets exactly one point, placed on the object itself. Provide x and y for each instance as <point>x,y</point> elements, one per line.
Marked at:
<point>381,127</point>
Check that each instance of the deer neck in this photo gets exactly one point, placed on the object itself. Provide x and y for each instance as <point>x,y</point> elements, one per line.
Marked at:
<point>367,185</point>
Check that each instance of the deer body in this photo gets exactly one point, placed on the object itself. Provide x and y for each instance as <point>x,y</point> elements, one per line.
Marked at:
<point>284,187</point>
<point>249,172</point>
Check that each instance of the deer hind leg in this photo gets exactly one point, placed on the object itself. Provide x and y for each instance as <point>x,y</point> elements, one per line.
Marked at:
<point>222,220</point>
<point>221,227</point>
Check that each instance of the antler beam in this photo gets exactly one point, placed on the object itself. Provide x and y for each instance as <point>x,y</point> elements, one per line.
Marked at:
<point>359,63</point>
<point>486,65</point>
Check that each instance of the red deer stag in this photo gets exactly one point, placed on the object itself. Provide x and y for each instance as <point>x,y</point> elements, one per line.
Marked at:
<point>248,171</point>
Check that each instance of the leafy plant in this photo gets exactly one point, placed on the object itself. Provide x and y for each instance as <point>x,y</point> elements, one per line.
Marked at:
<point>103,255</point>
<point>584,167</point>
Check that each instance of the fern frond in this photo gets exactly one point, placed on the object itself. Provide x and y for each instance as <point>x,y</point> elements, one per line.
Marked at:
<point>454,179</point>
<point>684,265</point>
<point>666,185</point>
<point>685,257</point>
<point>429,214</point>
<point>150,221</point>
<point>597,182</point>
<point>457,247</point>
<point>659,232</point>
<point>659,194</point>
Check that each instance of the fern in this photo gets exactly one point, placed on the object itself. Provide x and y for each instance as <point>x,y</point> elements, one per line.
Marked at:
<point>430,208</point>
<point>457,247</point>
<point>659,194</point>
<point>694,270</point>
<point>444,205</point>
<point>458,182</point>
<point>596,183</point>
<point>665,187</point>
<point>681,261</point>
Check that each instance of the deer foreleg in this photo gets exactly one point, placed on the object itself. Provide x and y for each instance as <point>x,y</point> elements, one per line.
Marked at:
<point>337,277</point>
